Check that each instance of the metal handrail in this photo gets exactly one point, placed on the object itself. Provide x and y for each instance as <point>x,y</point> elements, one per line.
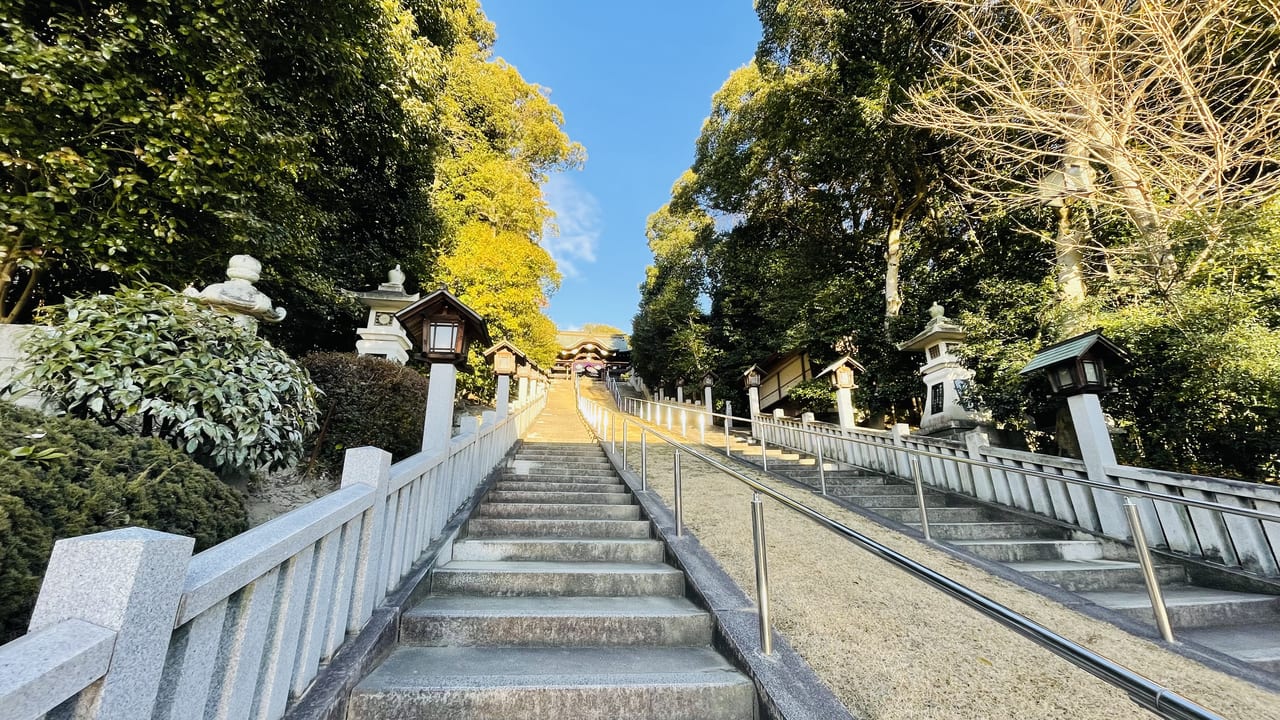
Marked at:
<point>1144,692</point>
<point>1119,489</point>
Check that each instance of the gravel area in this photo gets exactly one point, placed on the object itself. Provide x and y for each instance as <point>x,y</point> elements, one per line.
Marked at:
<point>892,648</point>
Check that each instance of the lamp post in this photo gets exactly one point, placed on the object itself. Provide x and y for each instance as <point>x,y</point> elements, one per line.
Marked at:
<point>504,357</point>
<point>844,379</point>
<point>444,328</point>
<point>708,382</point>
<point>1076,369</point>
<point>680,390</point>
<point>752,378</point>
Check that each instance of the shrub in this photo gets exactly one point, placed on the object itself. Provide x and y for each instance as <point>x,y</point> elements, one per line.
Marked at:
<point>367,401</point>
<point>152,362</point>
<point>61,477</point>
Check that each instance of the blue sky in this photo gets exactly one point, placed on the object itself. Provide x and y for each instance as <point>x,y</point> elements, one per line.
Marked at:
<point>634,79</point>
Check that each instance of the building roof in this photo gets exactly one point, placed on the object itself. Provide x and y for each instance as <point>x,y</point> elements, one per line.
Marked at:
<point>572,339</point>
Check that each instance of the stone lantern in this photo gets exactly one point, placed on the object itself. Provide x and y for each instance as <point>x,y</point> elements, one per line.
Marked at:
<point>843,377</point>
<point>708,382</point>
<point>444,328</point>
<point>383,335</point>
<point>238,297</point>
<point>944,377</point>
<point>505,358</point>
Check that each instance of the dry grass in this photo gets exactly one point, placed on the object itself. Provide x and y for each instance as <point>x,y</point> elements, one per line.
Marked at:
<point>892,648</point>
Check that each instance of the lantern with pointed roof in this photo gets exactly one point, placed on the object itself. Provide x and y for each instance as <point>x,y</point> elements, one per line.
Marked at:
<point>1078,365</point>
<point>505,357</point>
<point>709,379</point>
<point>842,372</point>
<point>443,327</point>
<point>752,376</point>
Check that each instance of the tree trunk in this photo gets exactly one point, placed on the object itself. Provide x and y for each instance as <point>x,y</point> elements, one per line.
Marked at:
<point>1069,259</point>
<point>893,263</point>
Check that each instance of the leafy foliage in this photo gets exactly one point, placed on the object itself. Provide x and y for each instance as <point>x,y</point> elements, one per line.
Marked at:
<point>80,478</point>
<point>151,362</point>
<point>366,401</point>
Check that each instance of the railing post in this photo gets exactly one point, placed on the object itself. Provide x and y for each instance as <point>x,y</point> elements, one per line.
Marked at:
<point>822,468</point>
<point>918,473</point>
<point>1148,572</point>
<point>902,464</point>
<point>679,496</point>
<point>626,430</point>
<point>128,581</point>
<point>369,466</point>
<point>764,453</point>
<point>644,458</point>
<point>762,572</point>
<point>702,429</point>
<point>728,416</point>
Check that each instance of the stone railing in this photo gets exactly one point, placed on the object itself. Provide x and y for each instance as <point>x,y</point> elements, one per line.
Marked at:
<point>1174,508</point>
<point>130,624</point>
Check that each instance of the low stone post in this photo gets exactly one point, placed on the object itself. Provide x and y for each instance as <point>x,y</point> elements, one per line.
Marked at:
<point>680,394</point>
<point>128,581</point>
<point>983,485</point>
<point>371,467</point>
<point>437,428</point>
<point>902,463</point>
<point>522,388</point>
<point>728,416</point>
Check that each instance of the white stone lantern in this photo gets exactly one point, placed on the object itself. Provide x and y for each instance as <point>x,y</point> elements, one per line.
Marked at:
<point>383,335</point>
<point>944,377</point>
<point>843,377</point>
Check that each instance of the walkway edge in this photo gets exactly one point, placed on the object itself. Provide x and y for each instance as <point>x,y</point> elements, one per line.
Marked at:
<point>788,689</point>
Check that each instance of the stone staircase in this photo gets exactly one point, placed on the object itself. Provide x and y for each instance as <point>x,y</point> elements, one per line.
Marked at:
<point>556,604</point>
<point>1242,625</point>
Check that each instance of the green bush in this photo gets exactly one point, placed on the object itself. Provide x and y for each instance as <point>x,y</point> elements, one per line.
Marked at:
<point>1201,393</point>
<point>62,477</point>
<point>152,362</point>
<point>366,401</point>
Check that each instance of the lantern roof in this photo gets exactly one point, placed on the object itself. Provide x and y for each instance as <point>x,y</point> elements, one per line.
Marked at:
<point>476,328</point>
<point>846,360</point>
<point>506,345</point>
<point>756,368</point>
<point>940,328</point>
<point>1074,348</point>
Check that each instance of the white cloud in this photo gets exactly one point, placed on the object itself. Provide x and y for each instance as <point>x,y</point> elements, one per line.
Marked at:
<point>573,234</point>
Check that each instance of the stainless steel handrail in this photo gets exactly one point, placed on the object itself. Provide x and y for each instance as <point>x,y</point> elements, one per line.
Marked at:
<point>1120,489</point>
<point>1146,693</point>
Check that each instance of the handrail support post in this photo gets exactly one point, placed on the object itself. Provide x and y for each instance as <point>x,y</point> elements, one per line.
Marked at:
<point>762,572</point>
<point>1158,608</point>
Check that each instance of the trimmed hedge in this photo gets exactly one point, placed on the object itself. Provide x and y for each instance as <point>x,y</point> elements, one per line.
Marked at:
<point>62,477</point>
<point>366,401</point>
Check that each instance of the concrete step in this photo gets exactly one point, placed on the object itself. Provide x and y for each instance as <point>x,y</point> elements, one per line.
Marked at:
<point>559,511</point>
<point>592,451</point>
<point>1257,644</point>
<point>537,486</point>
<point>1024,549</point>
<point>541,621</point>
<point>544,496</point>
<point>560,465</point>
<point>560,477</point>
<point>939,515</point>
<point>991,530</point>
<point>559,448</point>
<point>861,481</point>
<point>471,577</point>
<point>559,550</point>
<point>1190,606</point>
<point>847,490</point>
<point>580,683</point>
<point>558,461</point>
<point>1087,575</point>
<point>877,502</point>
<point>513,527</point>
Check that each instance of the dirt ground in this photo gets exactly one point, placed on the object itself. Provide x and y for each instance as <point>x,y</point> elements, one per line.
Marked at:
<point>892,648</point>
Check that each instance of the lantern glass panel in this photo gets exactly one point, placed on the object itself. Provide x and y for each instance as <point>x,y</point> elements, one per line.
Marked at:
<point>1061,379</point>
<point>844,377</point>
<point>1092,373</point>
<point>504,362</point>
<point>444,336</point>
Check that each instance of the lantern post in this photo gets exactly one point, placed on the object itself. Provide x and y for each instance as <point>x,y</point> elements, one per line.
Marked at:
<point>444,328</point>
<point>752,378</point>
